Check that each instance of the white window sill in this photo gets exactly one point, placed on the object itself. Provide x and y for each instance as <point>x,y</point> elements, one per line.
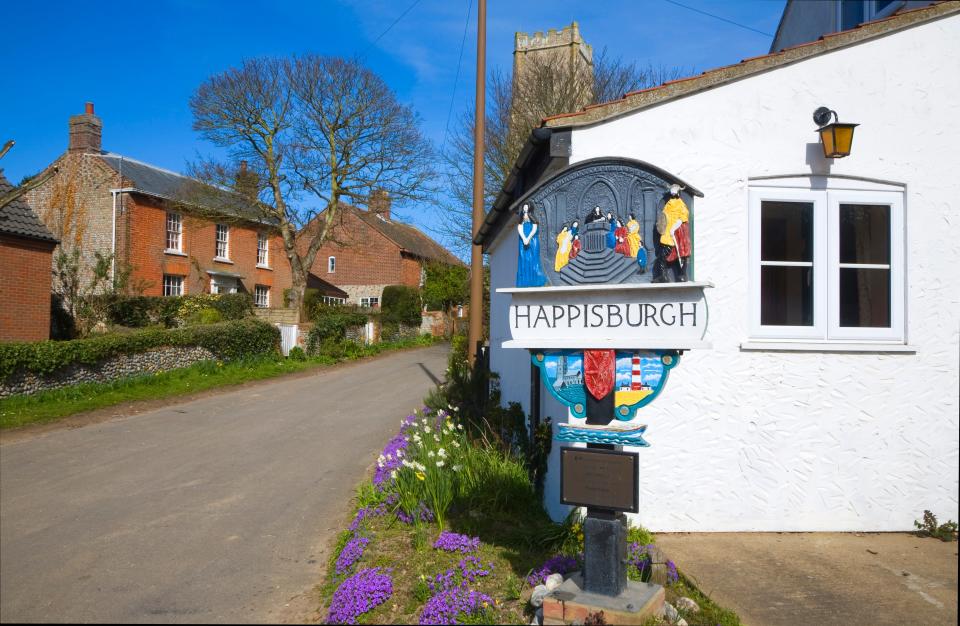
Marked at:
<point>174,252</point>
<point>264,267</point>
<point>825,346</point>
<point>220,259</point>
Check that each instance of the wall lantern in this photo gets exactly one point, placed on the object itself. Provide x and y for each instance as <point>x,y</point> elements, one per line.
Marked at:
<point>836,138</point>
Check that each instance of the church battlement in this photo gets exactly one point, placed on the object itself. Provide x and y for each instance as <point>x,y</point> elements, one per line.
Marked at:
<point>567,36</point>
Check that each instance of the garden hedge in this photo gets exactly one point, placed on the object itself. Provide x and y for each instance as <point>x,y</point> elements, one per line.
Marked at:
<point>170,311</point>
<point>401,305</point>
<point>226,340</point>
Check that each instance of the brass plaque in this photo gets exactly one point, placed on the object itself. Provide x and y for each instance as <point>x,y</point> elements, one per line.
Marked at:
<point>599,479</point>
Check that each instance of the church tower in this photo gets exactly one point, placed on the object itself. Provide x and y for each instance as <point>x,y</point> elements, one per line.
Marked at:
<point>558,60</point>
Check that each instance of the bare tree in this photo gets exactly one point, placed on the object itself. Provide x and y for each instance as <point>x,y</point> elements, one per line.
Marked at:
<point>514,108</point>
<point>315,133</point>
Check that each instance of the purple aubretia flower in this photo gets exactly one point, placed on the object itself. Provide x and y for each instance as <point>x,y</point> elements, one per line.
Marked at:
<point>351,553</point>
<point>358,594</point>
<point>390,459</point>
<point>558,564</point>
<point>469,569</point>
<point>454,542</point>
<point>452,605</point>
<point>672,574</point>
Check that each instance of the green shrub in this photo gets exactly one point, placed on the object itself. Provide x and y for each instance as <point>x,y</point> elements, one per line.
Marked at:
<point>297,354</point>
<point>226,340</point>
<point>330,323</point>
<point>171,311</point>
<point>401,305</point>
<point>206,315</point>
<point>930,527</point>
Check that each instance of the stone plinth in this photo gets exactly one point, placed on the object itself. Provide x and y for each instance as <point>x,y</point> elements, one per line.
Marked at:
<point>569,603</point>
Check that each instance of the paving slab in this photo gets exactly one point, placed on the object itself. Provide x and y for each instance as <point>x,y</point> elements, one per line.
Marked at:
<point>822,578</point>
<point>217,509</point>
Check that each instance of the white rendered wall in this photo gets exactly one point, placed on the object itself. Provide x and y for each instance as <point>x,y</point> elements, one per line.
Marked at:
<point>786,441</point>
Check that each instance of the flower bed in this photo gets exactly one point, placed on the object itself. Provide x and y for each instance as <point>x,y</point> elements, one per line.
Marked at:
<point>434,535</point>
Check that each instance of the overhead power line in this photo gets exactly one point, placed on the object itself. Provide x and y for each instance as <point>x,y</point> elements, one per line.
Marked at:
<point>387,30</point>
<point>717,17</point>
<point>456,80</point>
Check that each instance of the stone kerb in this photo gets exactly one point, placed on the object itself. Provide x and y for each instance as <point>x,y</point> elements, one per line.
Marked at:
<point>114,368</point>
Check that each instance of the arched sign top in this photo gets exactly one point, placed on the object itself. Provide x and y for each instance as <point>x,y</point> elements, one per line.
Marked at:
<point>606,221</point>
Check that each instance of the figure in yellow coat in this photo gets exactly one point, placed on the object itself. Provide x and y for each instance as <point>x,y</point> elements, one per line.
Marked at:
<point>564,241</point>
<point>675,214</point>
<point>633,235</point>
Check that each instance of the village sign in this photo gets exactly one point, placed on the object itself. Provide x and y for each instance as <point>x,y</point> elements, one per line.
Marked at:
<point>606,302</point>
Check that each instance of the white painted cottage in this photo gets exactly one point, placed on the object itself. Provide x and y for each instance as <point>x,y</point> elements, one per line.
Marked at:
<point>806,414</point>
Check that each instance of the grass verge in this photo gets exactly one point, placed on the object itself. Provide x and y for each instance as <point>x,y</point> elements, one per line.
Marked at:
<point>55,404</point>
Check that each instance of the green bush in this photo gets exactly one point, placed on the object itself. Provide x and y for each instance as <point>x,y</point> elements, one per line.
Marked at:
<point>297,354</point>
<point>330,323</point>
<point>226,340</point>
<point>171,311</point>
<point>401,305</point>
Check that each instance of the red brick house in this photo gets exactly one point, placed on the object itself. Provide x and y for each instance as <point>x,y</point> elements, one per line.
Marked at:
<point>369,250</point>
<point>26,249</point>
<point>174,235</point>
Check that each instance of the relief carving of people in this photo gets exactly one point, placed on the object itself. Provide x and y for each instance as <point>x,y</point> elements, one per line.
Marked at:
<point>529,271</point>
<point>674,247</point>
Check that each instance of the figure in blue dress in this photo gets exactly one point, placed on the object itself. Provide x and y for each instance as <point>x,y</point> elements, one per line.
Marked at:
<point>612,233</point>
<point>529,272</point>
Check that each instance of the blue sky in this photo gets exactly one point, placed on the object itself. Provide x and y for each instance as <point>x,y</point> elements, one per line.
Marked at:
<point>139,62</point>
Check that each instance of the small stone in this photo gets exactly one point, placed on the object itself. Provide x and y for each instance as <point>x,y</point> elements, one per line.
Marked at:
<point>681,622</point>
<point>687,604</point>
<point>539,593</point>
<point>670,613</point>
<point>553,581</point>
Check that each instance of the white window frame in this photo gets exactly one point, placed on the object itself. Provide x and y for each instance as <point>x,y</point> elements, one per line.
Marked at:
<point>174,220</point>
<point>370,303</point>
<point>870,12</point>
<point>826,266</point>
<point>331,265</point>
<point>895,202</point>
<point>265,290</point>
<point>169,282</point>
<point>263,260</point>
<point>819,328</point>
<point>225,229</point>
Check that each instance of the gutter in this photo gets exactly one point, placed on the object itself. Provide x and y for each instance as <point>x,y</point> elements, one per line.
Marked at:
<point>113,229</point>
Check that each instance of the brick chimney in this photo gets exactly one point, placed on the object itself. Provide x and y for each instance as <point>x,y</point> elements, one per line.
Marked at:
<point>85,131</point>
<point>379,203</point>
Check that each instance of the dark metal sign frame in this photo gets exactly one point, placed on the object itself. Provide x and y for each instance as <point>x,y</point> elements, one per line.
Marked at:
<point>598,504</point>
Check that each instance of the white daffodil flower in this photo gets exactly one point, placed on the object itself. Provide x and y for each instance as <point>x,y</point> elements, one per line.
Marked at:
<point>442,453</point>
<point>439,463</point>
<point>430,454</point>
<point>456,444</point>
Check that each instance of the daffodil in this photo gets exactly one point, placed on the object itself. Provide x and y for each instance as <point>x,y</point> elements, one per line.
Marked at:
<point>421,476</point>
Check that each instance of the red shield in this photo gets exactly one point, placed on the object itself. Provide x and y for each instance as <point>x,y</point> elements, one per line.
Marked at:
<point>599,371</point>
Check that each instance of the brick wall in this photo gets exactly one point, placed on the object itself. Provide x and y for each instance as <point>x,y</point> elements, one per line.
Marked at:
<point>366,259</point>
<point>410,271</point>
<point>144,245</point>
<point>24,289</point>
<point>76,205</point>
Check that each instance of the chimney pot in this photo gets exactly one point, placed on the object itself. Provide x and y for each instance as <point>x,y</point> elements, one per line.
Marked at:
<point>88,109</point>
<point>243,166</point>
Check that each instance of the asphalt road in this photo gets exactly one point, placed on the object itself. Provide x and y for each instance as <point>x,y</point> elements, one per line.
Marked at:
<point>214,510</point>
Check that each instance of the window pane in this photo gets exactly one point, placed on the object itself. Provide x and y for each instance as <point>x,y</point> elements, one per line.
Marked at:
<point>865,233</point>
<point>864,297</point>
<point>851,13</point>
<point>786,231</point>
<point>786,296</point>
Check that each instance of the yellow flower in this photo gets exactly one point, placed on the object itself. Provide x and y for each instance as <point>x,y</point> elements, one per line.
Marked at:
<point>421,476</point>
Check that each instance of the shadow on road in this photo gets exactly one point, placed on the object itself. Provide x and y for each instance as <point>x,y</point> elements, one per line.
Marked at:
<point>430,374</point>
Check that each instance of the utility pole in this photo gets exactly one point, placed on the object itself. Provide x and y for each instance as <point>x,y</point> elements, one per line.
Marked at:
<point>476,255</point>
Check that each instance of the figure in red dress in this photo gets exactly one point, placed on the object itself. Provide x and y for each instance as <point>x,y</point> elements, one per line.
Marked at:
<point>620,234</point>
<point>575,247</point>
